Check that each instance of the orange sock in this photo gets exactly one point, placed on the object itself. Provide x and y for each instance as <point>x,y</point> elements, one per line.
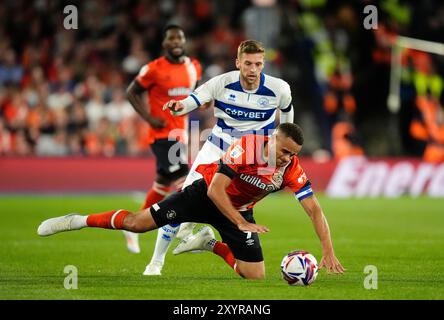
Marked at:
<point>223,251</point>
<point>155,194</point>
<point>107,220</point>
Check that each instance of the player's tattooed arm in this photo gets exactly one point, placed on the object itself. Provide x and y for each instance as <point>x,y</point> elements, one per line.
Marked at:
<point>134,94</point>
<point>314,211</point>
<point>217,193</point>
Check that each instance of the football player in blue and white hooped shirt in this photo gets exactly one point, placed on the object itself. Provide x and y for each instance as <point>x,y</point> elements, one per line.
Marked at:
<point>245,101</point>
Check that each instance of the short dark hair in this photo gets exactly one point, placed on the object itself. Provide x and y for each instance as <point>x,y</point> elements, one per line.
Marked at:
<point>170,27</point>
<point>292,131</point>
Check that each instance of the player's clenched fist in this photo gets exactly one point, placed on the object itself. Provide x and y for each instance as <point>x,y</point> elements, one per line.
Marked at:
<point>174,106</point>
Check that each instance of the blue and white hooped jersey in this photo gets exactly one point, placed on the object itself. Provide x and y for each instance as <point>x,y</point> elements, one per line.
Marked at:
<point>238,112</point>
<point>241,110</point>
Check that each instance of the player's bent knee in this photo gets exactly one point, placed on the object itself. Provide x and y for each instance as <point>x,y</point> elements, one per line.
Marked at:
<point>252,275</point>
<point>130,222</point>
<point>251,270</point>
<point>137,223</point>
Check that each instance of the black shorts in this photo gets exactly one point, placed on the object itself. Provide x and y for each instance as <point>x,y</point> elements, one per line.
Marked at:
<point>173,168</point>
<point>193,205</point>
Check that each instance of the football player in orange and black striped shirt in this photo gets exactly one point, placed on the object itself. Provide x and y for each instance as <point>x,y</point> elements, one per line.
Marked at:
<point>252,168</point>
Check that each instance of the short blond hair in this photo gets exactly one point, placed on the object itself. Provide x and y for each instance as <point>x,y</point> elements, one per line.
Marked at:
<point>250,46</point>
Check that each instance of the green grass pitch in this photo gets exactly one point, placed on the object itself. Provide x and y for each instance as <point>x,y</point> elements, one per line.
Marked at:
<point>403,238</point>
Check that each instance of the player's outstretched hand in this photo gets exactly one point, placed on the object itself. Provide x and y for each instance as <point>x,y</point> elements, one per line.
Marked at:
<point>252,227</point>
<point>331,263</point>
<point>174,106</point>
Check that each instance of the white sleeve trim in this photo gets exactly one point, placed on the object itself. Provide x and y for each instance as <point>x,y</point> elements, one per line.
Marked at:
<point>287,116</point>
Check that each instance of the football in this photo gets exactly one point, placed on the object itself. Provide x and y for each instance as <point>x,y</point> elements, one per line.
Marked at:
<point>299,268</point>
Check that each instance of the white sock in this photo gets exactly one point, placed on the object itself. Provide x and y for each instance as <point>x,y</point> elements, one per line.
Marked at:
<point>79,222</point>
<point>165,235</point>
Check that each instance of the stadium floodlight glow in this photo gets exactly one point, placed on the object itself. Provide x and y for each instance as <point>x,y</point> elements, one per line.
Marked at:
<point>401,43</point>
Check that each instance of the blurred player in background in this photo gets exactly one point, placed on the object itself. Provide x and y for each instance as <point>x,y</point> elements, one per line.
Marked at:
<point>253,167</point>
<point>173,75</point>
<point>246,101</point>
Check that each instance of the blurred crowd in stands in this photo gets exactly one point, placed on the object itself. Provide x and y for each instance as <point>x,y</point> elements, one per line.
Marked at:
<point>62,92</point>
